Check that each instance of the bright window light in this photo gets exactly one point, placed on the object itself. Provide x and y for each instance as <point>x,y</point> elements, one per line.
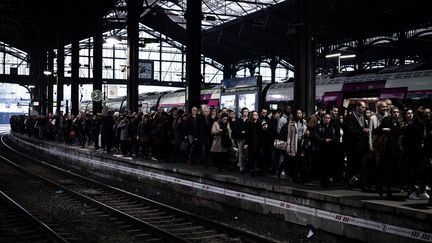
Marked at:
<point>113,40</point>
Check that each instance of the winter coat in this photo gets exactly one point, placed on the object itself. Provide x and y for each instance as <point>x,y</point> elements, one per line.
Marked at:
<point>393,143</point>
<point>240,128</point>
<point>321,133</point>
<point>357,141</point>
<point>254,138</point>
<point>124,132</point>
<point>293,137</point>
<point>374,122</point>
<point>217,133</point>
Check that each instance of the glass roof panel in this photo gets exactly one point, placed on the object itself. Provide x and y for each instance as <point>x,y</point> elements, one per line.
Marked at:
<point>215,12</point>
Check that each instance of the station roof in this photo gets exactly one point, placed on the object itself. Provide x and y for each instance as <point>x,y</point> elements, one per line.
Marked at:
<point>28,24</point>
<point>270,30</point>
<point>233,30</point>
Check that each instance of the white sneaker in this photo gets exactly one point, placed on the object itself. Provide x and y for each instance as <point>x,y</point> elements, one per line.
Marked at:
<point>413,196</point>
<point>424,196</point>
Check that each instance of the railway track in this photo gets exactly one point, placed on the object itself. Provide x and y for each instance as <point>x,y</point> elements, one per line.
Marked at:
<point>19,225</point>
<point>131,209</point>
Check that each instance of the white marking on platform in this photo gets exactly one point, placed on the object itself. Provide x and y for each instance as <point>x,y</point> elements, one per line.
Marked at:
<point>315,212</point>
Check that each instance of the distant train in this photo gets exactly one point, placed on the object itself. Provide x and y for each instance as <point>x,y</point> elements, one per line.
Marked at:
<point>412,88</point>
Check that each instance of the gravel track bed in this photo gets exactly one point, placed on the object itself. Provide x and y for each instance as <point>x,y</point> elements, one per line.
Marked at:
<point>75,217</point>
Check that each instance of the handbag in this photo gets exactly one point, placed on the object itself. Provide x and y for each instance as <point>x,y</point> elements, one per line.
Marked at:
<point>72,134</point>
<point>226,141</point>
<point>233,154</point>
<point>184,146</point>
<point>280,144</point>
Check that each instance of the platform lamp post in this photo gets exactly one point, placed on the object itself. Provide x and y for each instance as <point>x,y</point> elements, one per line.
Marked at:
<point>48,73</point>
<point>30,90</point>
<point>339,57</point>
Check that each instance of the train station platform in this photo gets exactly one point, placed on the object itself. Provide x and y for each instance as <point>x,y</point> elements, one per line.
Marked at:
<point>354,214</point>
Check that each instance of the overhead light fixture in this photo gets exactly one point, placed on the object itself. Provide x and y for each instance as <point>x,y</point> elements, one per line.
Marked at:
<point>339,57</point>
<point>333,55</point>
<point>47,72</point>
<point>347,56</point>
<point>113,40</point>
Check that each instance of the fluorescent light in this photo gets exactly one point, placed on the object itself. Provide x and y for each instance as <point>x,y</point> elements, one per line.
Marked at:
<point>333,55</point>
<point>347,56</point>
<point>47,72</point>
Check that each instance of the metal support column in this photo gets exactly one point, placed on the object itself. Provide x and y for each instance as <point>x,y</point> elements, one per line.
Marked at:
<point>193,52</point>
<point>75,76</point>
<point>228,71</point>
<point>304,84</point>
<point>134,10</point>
<point>97,58</point>
<point>42,82</point>
<point>50,82</point>
<point>273,65</point>
<point>252,67</point>
<point>60,72</point>
<point>359,57</point>
<point>402,38</point>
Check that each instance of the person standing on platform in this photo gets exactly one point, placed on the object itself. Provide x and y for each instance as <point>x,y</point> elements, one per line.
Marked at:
<point>108,125</point>
<point>254,144</point>
<point>339,164</point>
<point>313,122</point>
<point>222,141</point>
<point>206,123</point>
<point>95,130</point>
<point>325,137</point>
<point>390,130</point>
<point>296,130</point>
<point>357,146</point>
<point>428,147</point>
<point>264,115</point>
<point>240,135</point>
<point>60,126</point>
<point>124,127</point>
<point>144,136</point>
<point>374,122</point>
<point>193,135</point>
<point>415,161</point>
<point>282,127</point>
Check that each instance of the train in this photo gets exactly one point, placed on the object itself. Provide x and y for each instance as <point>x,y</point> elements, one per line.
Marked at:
<point>413,88</point>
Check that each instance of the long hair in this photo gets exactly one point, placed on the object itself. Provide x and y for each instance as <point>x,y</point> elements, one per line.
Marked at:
<point>296,119</point>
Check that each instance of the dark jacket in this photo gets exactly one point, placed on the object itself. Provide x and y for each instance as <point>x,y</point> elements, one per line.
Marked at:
<point>393,144</point>
<point>412,140</point>
<point>239,129</point>
<point>356,140</point>
<point>254,135</point>
<point>321,133</point>
<point>192,126</point>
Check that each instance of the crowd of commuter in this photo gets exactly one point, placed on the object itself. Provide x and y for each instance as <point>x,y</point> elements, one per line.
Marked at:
<point>387,149</point>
